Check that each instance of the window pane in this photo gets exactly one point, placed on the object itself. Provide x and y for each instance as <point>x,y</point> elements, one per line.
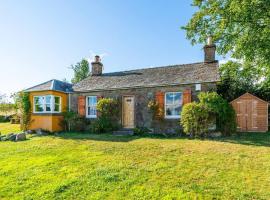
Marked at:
<point>92,111</point>
<point>177,98</point>
<point>56,108</point>
<point>169,98</point>
<point>48,99</point>
<point>92,101</point>
<point>38,100</point>
<point>48,107</point>
<point>38,108</point>
<point>57,100</point>
<point>169,110</point>
<point>177,110</point>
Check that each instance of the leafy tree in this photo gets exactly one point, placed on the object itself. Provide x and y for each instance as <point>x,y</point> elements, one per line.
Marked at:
<point>81,71</point>
<point>238,78</point>
<point>239,27</point>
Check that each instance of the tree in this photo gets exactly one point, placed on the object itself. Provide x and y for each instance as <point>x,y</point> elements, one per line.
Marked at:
<point>81,71</point>
<point>238,78</point>
<point>239,27</point>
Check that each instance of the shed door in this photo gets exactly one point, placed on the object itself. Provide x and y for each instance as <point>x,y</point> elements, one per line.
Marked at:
<point>241,116</point>
<point>251,115</point>
<point>128,112</point>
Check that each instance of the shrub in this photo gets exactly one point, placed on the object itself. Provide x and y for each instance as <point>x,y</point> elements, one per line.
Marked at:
<point>156,110</point>
<point>74,122</point>
<point>221,109</point>
<point>104,125</point>
<point>4,118</point>
<point>108,108</point>
<point>22,102</point>
<point>108,119</point>
<point>140,131</point>
<point>197,117</point>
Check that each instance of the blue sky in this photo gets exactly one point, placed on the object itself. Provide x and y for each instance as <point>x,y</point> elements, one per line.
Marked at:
<point>39,40</point>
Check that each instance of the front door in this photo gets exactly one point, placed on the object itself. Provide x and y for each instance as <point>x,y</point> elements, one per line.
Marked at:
<point>128,112</point>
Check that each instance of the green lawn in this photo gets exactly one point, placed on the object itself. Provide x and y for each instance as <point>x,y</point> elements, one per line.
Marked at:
<point>7,127</point>
<point>85,166</point>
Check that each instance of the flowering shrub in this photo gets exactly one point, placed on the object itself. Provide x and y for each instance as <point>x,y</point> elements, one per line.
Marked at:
<point>108,117</point>
<point>156,110</point>
<point>108,108</point>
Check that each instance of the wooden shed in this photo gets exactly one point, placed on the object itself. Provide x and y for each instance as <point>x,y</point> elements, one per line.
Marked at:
<point>251,113</point>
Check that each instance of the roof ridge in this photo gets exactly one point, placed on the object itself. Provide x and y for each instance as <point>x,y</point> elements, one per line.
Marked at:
<point>157,67</point>
<point>38,84</point>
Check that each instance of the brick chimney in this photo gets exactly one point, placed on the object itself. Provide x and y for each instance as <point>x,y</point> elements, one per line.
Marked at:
<point>209,51</point>
<point>97,66</point>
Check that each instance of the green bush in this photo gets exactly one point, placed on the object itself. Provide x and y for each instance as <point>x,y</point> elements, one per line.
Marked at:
<point>4,118</point>
<point>103,125</point>
<point>198,117</point>
<point>108,117</point>
<point>222,110</point>
<point>74,122</point>
<point>22,103</point>
<point>140,131</point>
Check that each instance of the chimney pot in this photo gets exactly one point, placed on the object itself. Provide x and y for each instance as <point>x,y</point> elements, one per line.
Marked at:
<point>97,58</point>
<point>210,40</point>
<point>209,51</point>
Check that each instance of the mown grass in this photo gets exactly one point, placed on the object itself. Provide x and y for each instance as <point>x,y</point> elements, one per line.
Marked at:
<point>7,127</point>
<point>88,166</point>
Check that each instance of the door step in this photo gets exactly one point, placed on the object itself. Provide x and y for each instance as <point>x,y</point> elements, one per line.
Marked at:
<point>123,132</point>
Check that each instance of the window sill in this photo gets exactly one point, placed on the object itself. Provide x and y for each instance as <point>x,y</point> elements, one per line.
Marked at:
<point>47,114</point>
<point>91,117</point>
<point>172,117</point>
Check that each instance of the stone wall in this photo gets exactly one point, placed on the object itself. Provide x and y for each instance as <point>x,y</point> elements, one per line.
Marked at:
<point>143,118</point>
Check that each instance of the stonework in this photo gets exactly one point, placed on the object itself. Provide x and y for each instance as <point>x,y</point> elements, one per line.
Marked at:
<point>143,117</point>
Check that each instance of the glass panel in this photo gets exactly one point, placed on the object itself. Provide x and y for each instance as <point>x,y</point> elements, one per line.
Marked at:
<point>169,110</point>
<point>57,100</point>
<point>56,108</point>
<point>169,98</point>
<point>93,111</point>
<point>48,99</point>
<point>92,101</point>
<point>177,98</point>
<point>177,110</point>
<point>95,101</point>
<point>38,108</point>
<point>38,100</point>
<point>48,107</point>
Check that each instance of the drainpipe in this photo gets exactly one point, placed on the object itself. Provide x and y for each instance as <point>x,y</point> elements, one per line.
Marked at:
<point>69,102</point>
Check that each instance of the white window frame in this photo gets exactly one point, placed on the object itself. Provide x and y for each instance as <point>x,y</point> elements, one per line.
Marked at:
<point>165,106</point>
<point>52,104</point>
<point>87,106</point>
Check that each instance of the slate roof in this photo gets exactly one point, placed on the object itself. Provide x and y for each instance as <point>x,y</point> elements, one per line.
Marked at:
<point>151,77</point>
<point>53,84</point>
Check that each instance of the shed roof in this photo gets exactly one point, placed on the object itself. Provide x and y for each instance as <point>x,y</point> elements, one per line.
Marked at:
<point>151,77</point>
<point>250,95</point>
<point>53,84</point>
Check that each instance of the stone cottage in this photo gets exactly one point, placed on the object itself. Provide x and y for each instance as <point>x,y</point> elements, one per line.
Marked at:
<point>170,86</point>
